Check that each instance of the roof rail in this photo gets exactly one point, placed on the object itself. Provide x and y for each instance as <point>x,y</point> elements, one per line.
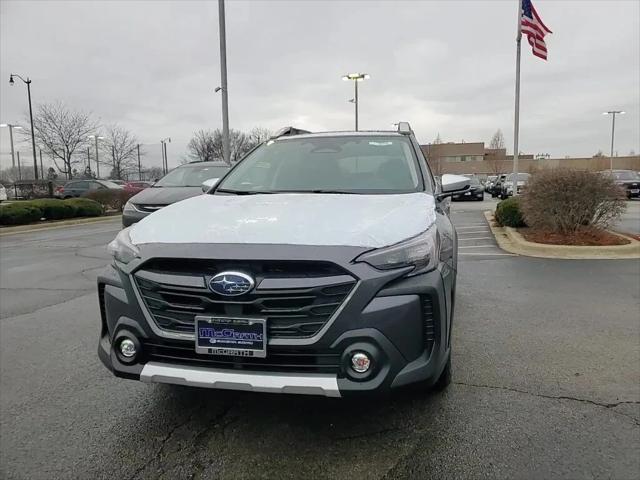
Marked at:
<point>287,131</point>
<point>404,128</point>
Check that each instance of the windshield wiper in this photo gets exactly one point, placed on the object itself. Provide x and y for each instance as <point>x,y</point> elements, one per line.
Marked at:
<point>319,190</point>
<point>242,192</point>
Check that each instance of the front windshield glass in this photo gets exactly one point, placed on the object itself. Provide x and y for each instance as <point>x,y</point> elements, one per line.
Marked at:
<point>192,175</point>
<point>354,164</point>
<point>625,175</point>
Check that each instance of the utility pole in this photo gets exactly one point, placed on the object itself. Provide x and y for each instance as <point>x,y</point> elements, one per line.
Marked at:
<point>33,138</point>
<point>113,158</point>
<point>226,147</point>
<point>41,167</point>
<point>139,167</point>
<point>19,170</point>
<point>613,113</point>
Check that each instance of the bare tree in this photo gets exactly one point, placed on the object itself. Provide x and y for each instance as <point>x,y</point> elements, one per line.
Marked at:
<point>497,141</point>
<point>154,173</point>
<point>259,135</point>
<point>206,145</point>
<point>60,132</point>
<point>120,145</point>
<point>202,146</point>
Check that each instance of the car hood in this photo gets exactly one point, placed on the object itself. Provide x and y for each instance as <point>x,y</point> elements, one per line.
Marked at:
<point>370,221</point>
<point>164,195</point>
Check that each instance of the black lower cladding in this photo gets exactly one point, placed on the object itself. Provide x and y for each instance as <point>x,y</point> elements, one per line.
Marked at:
<point>297,298</point>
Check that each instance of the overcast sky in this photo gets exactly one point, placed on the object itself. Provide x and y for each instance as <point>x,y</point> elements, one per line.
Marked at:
<point>445,66</point>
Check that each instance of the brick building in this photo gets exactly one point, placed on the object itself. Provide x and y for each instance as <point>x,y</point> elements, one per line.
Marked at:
<point>475,158</point>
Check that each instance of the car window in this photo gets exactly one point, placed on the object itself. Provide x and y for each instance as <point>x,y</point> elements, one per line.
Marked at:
<point>355,164</point>
<point>108,184</point>
<point>625,175</point>
<point>78,185</point>
<point>192,175</point>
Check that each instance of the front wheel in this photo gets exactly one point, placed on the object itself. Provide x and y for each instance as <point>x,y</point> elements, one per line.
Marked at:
<point>445,377</point>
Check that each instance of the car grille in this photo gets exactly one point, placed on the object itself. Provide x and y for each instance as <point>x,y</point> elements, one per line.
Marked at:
<point>277,360</point>
<point>296,298</point>
<point>148,208</point>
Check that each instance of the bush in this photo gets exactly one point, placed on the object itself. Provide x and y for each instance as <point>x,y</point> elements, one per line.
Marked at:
<point>19,213</point>
<point>110,199</point>
<point>562,200</point>
<point>23,212</point>
<point>508,213</point>
<point>85,207</point>
<point>54,209</point>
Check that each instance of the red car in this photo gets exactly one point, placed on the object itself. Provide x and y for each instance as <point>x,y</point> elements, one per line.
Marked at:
<point>135,187</point>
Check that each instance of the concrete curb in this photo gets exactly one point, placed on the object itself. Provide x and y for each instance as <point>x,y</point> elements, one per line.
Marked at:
<point>6,231</point>
<point>512,241</point>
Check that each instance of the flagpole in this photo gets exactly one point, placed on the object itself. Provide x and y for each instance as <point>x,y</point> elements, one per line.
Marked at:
<point>516,126</point>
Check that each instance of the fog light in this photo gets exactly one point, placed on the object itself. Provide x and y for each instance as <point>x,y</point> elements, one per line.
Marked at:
<point>360,362</point>
<point>128,348</point>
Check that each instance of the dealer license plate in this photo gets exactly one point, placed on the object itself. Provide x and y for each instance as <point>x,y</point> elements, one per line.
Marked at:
<point>239,337</point>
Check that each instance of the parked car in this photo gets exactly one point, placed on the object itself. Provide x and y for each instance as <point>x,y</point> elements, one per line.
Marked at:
<point>320,264</point>
<point>122,183</point>
<point>183,182</point>
<point>475,192</point>
<point>496,187</point>
<point>507,186</point>
<point>81,188</point>
<point>627,180</point>
<point>136,187</point>
<point>3,193</point>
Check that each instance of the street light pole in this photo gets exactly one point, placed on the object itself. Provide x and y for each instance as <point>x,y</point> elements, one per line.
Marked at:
<point>139,166</point>
<point>96,138</point>
<point>33,138</point>
<point>356,77</point>
<point>165,160</point>
<point>226,147</point>
<point>11,127</point>
<point>613,132</point>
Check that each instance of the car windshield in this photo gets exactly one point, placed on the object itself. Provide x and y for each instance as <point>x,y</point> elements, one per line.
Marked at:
<point>192,175</point>
<point>625,175</point>
<point>349,164</point>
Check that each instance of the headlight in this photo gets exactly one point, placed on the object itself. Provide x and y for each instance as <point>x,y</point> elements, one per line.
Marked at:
<point>122,249</point>
<point>128,207</point>
<point>420,252</point>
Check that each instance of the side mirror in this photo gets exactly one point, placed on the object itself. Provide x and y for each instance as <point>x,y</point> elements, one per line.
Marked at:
<point>453,184</point>
<point>209,184</point>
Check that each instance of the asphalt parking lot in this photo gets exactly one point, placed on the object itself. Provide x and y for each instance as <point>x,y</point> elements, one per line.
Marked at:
<point>546,382</point>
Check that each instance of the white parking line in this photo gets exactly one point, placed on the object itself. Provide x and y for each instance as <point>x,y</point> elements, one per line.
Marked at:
<point>473,231</point>
<point>469,225</point>
<point>479,246</point>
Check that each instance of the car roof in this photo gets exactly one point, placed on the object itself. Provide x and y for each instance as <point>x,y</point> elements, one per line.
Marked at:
<point>359,133</point>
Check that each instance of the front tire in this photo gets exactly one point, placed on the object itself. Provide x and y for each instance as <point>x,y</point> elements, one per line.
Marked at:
<point>445,377</point>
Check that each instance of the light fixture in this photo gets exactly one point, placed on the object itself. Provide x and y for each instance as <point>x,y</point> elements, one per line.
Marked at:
<point>360,362</point>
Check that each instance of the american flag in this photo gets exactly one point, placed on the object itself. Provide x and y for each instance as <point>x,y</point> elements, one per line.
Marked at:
<point>534,29</point>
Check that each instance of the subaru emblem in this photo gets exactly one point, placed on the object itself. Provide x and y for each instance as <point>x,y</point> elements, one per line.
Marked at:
<point>231,284</point>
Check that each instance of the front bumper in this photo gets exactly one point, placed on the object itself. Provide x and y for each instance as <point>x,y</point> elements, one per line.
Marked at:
<point>402,323</point>
<point>131,216</point>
